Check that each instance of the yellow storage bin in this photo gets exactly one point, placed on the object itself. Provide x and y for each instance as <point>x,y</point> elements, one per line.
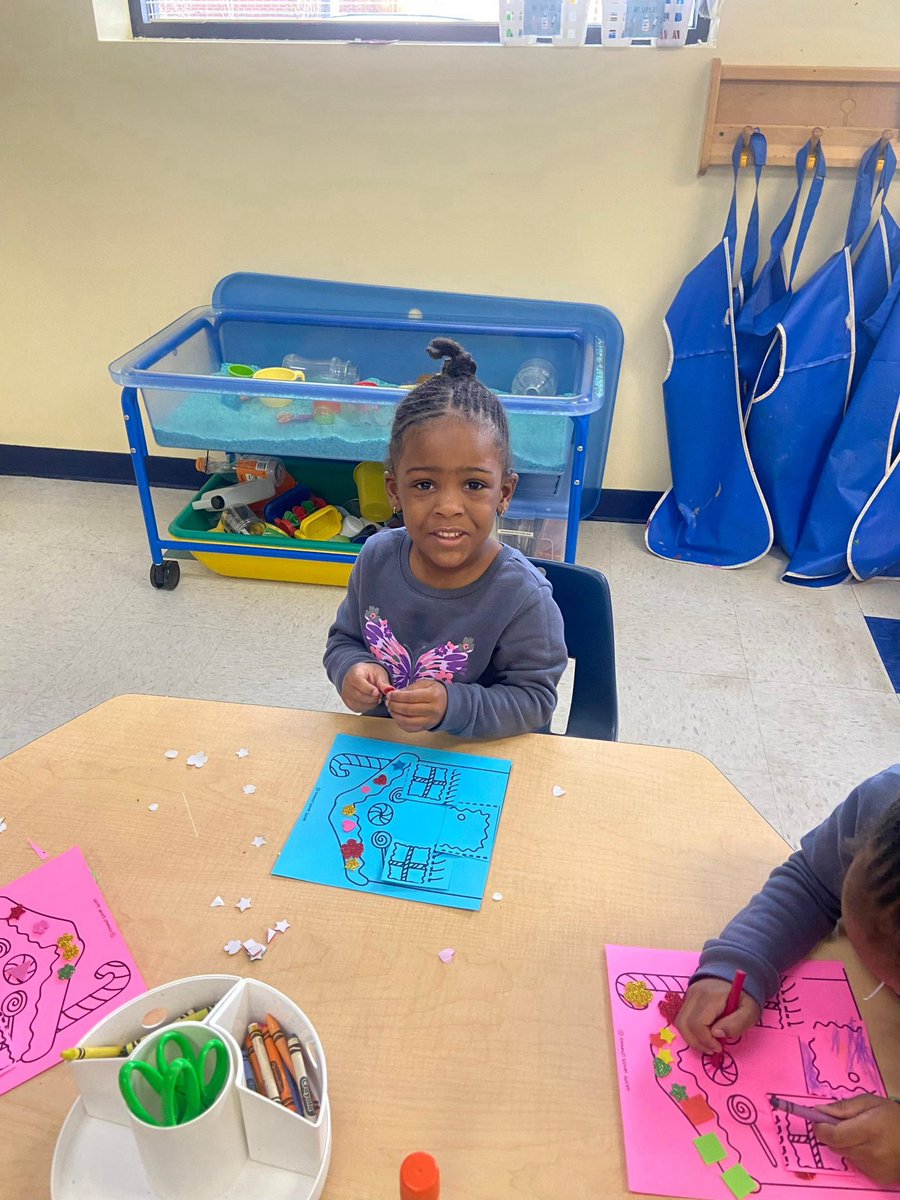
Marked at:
<point>192,525</point>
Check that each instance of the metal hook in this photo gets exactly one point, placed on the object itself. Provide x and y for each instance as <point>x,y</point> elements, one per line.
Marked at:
<point>815,140</point>
<point>745,152</point>
<point>886,137</point>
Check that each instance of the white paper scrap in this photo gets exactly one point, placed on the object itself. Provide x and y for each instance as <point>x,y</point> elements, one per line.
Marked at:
<point>558,791</point>
<point>232,947</point>
<point>248,789</point>
<point>242,753</point>
<point>171,754</point>
<point>2,825</point>
<point>497,896</point>
<point>198,760</point>
<point>270,933</point>
<point>254,948</point>
<point>153,807</point>
<point>218,903</point>
<point>446,956</point>
<point>244,903</point>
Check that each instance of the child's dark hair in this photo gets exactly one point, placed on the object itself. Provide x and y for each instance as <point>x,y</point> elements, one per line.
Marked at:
<point>876,883</point>
<point>453,392</point>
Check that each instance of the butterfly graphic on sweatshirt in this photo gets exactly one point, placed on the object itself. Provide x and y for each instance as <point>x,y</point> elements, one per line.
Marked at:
<point>442,662</point>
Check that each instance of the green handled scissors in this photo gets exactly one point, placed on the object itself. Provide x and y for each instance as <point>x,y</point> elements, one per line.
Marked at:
<point>179,1082</point>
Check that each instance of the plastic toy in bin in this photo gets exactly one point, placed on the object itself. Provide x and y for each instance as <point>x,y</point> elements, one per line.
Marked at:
<point>373,498</point>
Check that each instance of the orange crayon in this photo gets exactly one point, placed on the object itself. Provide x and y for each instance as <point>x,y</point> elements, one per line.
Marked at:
<point>284,1091</point>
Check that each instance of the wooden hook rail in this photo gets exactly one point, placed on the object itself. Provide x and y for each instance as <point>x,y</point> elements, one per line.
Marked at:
<point>847,108</point>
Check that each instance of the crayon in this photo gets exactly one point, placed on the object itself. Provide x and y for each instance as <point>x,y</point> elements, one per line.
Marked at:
<point>734,996</point>
<point>284,1092</point>
<point>270,1087</point>
<point>254,1065</point>
<point>282,1047</point>
<point>314,1067</point>
<point>310,1103</point>
<point>249,1077</point>
<point>80,1052</point>
<point>731,1004</point>
<point>800,1110</point>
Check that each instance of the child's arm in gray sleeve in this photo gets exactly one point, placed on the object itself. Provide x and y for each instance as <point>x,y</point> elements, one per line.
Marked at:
<point>529,660</point>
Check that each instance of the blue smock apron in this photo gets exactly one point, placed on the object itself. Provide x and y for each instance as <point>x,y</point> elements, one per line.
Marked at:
<point>714,512</point>
<point>803,386</point>
<point>860,454</point>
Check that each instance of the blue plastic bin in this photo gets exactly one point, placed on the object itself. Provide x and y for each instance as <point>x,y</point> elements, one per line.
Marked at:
<point>559,442</point>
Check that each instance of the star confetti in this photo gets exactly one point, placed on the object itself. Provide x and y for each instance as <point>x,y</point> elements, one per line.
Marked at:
<point>65,972</point>
<point>218,903</point>
<point>232,947</point>
<point>244,903</point>
<point>248,789</point>
<point>668,1035</point>
<point>679,1092</point>
<point>258,841</point>
<point>16,912</point>
<point>282,926</point>
<point>242,753</point>
<point>255,949</point>
<point>198,760</point>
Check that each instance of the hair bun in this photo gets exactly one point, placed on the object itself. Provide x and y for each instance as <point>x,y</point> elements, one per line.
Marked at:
<point>459,361</point>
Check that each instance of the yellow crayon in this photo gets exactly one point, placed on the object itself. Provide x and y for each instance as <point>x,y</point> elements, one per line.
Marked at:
<point>79,1052</point>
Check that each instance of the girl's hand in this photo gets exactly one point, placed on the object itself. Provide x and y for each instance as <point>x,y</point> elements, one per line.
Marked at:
<point>420,706</point>
<point>363,686</point>
<point>868,1135</point>
<point>704,1002</point>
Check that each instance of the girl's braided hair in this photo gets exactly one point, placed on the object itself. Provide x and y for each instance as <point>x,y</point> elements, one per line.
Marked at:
<point>453,392</point>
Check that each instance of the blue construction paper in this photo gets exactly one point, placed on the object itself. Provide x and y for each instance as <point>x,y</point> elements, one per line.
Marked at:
<point>885,633</point>
<point>425,828</point>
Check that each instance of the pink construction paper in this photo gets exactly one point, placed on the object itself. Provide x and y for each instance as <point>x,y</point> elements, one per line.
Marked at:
<point>810,1046</point>
<point>41,1014</point>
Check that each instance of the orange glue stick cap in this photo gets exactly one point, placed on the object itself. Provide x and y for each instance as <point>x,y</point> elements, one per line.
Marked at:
<point>420,1178</point>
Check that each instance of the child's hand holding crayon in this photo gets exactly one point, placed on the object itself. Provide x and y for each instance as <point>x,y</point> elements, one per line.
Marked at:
<point>702,1021</point>
<point>363,686</point>
<point>868,1135</point>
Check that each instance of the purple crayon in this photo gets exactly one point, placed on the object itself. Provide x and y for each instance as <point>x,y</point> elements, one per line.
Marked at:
<point>800,1110</point>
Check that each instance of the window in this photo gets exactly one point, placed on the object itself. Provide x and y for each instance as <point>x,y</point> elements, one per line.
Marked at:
<point>352,20</point>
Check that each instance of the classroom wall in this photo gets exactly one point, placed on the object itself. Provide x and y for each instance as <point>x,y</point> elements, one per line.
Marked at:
<point>137,174</point>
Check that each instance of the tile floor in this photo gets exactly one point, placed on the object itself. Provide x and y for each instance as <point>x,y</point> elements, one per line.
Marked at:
<point>781,688</point>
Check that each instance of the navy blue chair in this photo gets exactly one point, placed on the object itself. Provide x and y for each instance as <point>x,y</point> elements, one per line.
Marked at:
<point>583,598</point>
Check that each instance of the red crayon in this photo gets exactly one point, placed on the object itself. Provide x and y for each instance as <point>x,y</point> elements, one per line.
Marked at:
<point>734,999</point>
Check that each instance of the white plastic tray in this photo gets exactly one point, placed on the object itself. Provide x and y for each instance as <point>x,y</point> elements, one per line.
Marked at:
<point>102,1150</point>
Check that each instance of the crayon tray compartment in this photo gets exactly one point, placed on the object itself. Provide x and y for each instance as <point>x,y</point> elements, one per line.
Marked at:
<point>285,1155</point>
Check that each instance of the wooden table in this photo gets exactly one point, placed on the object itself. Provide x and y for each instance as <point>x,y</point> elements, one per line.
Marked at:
<point>501,1063</point>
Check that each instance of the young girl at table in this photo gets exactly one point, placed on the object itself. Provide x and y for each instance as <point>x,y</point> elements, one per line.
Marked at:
<point>443,628</point>
<point>848,869</point>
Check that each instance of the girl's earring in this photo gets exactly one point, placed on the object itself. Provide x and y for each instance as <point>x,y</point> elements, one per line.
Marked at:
<point>397,511</point>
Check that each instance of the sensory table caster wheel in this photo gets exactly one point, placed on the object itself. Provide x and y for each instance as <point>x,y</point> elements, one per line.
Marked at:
<point>165,575</point>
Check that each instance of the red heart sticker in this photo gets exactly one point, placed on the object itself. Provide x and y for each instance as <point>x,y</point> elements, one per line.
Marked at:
<point>381,779</point>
